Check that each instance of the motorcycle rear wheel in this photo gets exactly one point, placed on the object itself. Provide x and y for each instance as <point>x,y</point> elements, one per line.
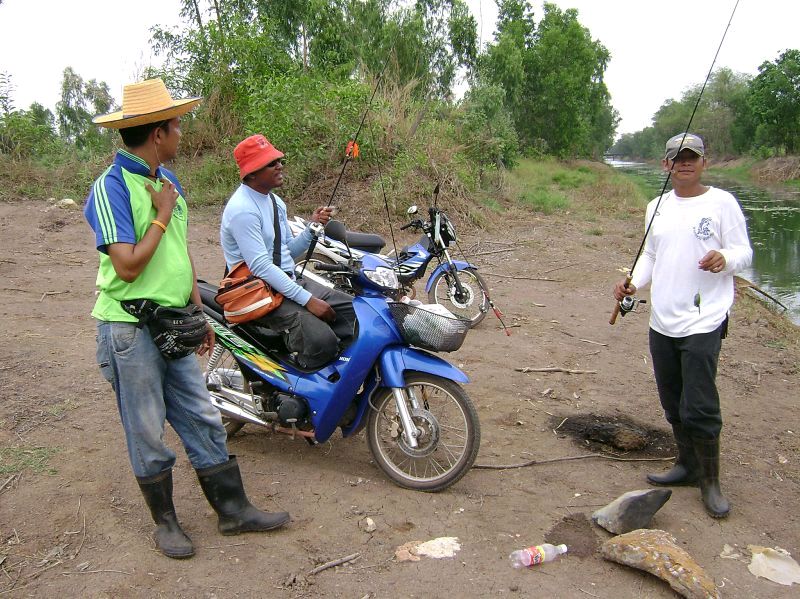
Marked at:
<point>449,439</point>
<point>475,304</point>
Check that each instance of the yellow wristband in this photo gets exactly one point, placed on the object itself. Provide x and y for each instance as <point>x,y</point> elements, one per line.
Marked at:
<point>160,224</point>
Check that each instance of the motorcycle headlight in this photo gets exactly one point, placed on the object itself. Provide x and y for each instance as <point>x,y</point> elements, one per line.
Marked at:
<point>385,277</point>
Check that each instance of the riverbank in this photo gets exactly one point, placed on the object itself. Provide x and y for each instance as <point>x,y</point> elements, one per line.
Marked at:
<point>552,276</point>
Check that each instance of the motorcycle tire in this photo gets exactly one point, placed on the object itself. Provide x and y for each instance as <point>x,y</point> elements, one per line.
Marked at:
<point>472,308</point>
<point>449,434</point>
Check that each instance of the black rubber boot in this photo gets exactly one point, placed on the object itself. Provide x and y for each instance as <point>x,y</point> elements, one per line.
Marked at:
<point>222,485</point>
<point>170,538</point>
<point>707,451</point>
<point>686,471</point>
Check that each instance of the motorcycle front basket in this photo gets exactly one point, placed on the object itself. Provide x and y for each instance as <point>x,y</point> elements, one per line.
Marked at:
<point>428,330</point>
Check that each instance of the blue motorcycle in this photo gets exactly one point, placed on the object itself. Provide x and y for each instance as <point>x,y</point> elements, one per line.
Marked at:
<point>421,426</point>
<point>453,284</point>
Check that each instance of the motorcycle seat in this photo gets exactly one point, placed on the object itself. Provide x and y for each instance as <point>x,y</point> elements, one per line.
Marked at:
<point>253,332</point>
<point>366,242</point>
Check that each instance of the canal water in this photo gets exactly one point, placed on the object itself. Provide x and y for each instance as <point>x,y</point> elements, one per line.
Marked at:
<point>773,223</point>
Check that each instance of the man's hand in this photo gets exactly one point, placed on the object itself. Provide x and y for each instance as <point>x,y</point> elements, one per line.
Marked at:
<point>713,261</point>
<point>164,200</point>
<point>321,309</point>
<point>322,215</point>
<point>208,342</point>
<point>621,291</point>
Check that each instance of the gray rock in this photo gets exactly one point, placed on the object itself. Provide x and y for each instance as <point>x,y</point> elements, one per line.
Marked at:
<point>656,552</point>
<point>632,510</point>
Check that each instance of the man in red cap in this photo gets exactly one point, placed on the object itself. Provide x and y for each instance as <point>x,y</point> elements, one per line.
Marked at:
<point>312,318</point>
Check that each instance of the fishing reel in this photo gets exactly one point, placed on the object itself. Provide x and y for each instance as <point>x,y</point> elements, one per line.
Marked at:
<point>628,304</point>
<point>317,229</point>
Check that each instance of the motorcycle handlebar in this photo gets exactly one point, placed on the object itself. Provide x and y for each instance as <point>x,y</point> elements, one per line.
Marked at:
<point>331,267</point>
<point>413,223</point>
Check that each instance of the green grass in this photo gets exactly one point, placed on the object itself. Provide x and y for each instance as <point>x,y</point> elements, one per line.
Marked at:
<point>741,172</point>
<point>589,189</point>
<point>574,179</point>
<point>544,200</point>
<point>17,459</point>
<point>492,205</point>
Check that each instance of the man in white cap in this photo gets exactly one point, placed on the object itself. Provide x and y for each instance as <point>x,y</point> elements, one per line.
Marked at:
<point>696,243</point>
<point>138,213</point>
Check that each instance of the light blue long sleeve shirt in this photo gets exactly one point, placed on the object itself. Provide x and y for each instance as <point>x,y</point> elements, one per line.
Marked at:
<point>248,233</point>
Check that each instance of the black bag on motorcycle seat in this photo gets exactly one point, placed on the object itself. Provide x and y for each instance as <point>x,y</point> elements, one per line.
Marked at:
<point>177,332</point>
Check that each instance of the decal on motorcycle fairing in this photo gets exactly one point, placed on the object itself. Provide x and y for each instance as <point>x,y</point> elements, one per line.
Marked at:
<point>239,347</point>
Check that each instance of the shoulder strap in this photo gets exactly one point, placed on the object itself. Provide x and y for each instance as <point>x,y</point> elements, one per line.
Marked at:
<point>276,248</point>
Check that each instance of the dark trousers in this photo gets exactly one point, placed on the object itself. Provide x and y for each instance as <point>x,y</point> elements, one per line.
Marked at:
<point>685,369</point>
<point>315,341</point>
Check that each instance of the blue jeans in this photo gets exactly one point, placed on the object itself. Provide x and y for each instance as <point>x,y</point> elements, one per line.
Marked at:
<point>150,390</point>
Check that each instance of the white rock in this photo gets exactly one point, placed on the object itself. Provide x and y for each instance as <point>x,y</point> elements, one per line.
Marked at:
<point>367,525</point>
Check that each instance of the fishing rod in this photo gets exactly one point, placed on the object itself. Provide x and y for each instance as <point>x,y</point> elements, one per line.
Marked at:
<point>350,153</point>
<point>352,145</point>
<point>627,303</point>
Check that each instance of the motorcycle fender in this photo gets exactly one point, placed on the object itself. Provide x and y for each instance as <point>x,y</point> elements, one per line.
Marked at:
<point>395,361</point>
<point>459,264</point>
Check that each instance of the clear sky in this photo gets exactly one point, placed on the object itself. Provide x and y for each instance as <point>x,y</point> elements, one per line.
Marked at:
<point>658,49</point>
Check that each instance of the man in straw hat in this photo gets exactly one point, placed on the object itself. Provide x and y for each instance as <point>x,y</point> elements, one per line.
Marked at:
<point>696,243</point>
<point>138,213</point>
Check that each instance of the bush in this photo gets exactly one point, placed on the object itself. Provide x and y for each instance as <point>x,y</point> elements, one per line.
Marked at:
<point>23,135</point>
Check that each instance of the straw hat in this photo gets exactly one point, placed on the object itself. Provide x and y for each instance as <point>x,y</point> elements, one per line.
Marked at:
<point>145,102</point>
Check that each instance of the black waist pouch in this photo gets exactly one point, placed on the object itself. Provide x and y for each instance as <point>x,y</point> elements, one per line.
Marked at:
<point>177,332</point>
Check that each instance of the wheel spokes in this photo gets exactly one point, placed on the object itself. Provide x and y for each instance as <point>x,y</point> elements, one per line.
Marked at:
<point>450,436</point>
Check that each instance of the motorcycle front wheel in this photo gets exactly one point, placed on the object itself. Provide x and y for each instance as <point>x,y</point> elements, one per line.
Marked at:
<point>472,306</point>
<point>448,429</point>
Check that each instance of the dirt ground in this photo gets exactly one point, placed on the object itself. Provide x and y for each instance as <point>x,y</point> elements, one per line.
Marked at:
<point>79,528</point>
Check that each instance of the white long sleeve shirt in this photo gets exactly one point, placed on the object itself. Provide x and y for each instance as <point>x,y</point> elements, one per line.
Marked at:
<point>683,231</point>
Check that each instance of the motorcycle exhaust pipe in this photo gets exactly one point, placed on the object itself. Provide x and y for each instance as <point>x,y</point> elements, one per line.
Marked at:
<point>235,412</point>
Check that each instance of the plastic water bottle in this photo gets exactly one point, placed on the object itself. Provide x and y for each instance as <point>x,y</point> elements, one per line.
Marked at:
<point>531,556</point>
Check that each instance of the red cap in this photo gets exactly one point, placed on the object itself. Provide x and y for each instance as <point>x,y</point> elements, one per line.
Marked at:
<point>254,153</point>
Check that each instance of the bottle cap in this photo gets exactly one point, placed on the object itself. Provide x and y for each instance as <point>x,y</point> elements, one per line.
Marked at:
<point>562,548</point>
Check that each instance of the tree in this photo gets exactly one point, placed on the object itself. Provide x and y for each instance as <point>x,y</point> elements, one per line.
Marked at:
<point>79,103</point>
<point>6,93</point>
<point>568,97</point>
<point>487,130</point>
<point>552,74</point>
<point>503,63</point>
<point>775,101</point>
